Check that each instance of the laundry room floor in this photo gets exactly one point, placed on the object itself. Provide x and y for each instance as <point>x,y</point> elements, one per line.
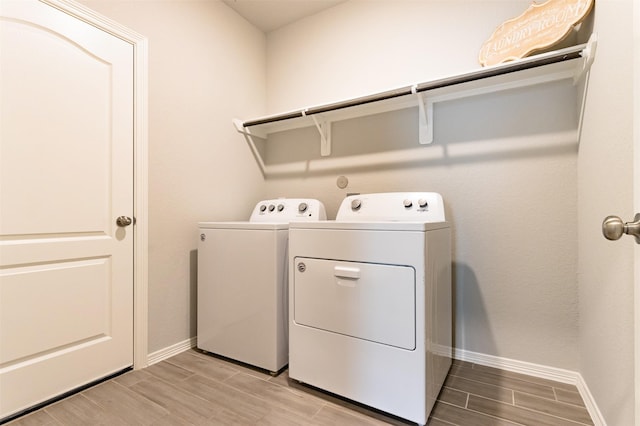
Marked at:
<point>194,388</point>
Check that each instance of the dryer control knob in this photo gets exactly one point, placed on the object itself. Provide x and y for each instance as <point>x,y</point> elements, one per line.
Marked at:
<point>356,204</point>
<point>407,203</point>
<point>263,208</point>
<point>271,207</point>
<point>422,203</point>
<point>302,207</point>
<point>280,207</point>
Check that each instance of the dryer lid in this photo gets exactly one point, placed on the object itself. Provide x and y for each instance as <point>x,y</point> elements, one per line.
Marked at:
<point>371,226</point>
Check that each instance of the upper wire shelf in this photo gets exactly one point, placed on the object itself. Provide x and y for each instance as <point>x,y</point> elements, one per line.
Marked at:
<point>568,63</point>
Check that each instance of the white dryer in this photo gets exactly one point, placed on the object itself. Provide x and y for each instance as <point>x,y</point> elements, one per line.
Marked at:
<point>242,283</point>
<point>370,302</point>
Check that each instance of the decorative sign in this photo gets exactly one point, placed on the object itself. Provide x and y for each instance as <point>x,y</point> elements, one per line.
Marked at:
<point>540,26</point>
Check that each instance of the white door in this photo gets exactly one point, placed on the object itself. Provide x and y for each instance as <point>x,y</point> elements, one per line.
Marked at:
<point>66,174</point>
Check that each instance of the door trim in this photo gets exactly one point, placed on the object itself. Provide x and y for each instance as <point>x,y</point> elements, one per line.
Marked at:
<point>635,44</point>
<point>636,200</point>
<point>141,169</point>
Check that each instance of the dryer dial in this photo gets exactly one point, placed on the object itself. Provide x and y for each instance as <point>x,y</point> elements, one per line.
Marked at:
<point>302,207</point>
<point>356,204</point>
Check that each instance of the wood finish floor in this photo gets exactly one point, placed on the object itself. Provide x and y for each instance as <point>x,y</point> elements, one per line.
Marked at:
<point>197,389</point>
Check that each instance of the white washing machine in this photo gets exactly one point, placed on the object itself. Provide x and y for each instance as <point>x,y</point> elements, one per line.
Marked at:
<point>370,302</point>
<point>242,283</point>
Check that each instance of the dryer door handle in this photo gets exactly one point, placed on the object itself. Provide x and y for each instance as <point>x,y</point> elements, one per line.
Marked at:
<point>345,272</point>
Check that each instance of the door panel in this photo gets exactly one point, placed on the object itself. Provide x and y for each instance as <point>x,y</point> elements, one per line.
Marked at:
<point>37,327</point>
<point>66,173</point>
<point>40,67</point>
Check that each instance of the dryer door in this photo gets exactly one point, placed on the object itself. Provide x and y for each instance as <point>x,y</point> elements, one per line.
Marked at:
<point>362,300</point>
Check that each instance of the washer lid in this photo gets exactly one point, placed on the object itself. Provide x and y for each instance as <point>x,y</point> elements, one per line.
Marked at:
<point>244,225</point>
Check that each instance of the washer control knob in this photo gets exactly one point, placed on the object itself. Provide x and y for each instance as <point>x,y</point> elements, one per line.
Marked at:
<point>271,207</point>
<point>302,207</point>
<point>356,204</point>
<point>280,207</point>
<point>407,203</point>
<point>422,203</point>
<point>263,208</point>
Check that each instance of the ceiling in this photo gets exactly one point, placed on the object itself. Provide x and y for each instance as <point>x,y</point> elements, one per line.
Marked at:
<point>269,15</point>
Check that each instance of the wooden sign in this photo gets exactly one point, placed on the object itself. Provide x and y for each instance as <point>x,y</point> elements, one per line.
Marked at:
<point>540,26</point>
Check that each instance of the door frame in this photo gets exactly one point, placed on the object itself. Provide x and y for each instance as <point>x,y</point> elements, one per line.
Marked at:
<point>140,164</point>
<point>636,200</point>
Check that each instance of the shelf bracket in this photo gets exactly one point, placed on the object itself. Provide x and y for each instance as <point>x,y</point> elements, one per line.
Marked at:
<point>324,128</point>
<point>239,125</point>
<point>589,55</point>
<point>581,79</point>
<point>425,118</point>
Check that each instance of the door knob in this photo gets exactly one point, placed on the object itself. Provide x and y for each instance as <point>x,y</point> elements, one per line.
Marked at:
<point>613,228</point>
<point>124,221</point>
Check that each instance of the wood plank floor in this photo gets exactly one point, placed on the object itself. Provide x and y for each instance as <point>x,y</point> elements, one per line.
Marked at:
<point>192,388</point>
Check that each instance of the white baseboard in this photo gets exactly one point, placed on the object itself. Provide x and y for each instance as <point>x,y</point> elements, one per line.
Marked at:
<point>590,402</point>
<point>170,351</point>
<point>537,370</point>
